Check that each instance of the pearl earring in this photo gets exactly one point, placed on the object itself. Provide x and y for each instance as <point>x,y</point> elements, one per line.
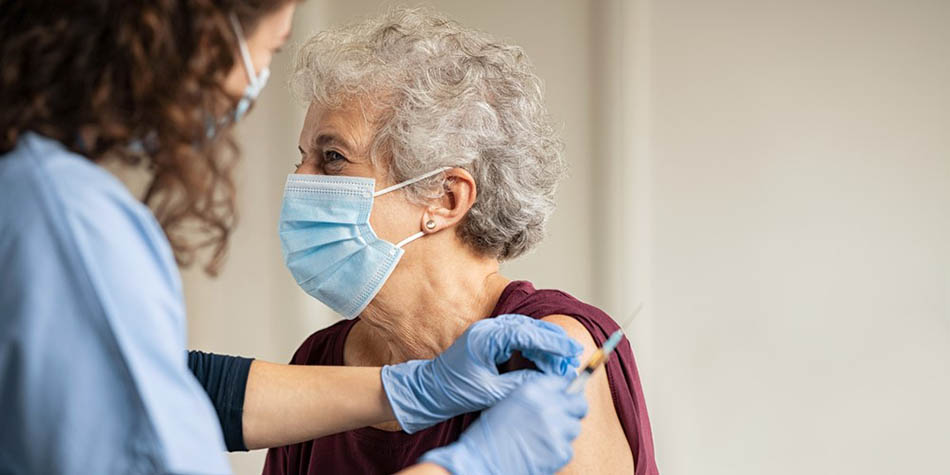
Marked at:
<point>430,225</point>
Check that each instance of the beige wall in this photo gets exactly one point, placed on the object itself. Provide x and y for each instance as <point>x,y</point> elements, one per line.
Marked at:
<point>770,179</point>
<point>801,230</point>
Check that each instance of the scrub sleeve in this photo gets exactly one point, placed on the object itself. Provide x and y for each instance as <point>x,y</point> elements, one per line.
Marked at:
<point>225,380</point>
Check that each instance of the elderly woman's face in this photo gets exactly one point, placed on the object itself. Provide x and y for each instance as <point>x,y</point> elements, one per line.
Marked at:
<point>336,142</point>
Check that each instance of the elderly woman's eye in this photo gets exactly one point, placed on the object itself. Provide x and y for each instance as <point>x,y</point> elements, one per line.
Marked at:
<point>333,162</point>
<point>332,156</point>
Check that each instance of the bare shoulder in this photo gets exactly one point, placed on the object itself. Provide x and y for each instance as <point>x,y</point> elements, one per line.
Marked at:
<point>602,446</point>
<point>575,330</point>
<point>570,325</point>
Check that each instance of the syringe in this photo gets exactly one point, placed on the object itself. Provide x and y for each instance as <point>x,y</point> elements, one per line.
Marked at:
<point>598,359</point>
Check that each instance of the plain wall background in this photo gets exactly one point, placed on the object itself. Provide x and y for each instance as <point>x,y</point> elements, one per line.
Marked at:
<point>770,179</point>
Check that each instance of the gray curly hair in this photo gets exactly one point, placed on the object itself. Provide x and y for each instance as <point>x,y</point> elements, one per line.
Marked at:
<point>449,96</point>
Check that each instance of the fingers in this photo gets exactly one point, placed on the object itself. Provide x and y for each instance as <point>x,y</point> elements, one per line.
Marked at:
<point>546,344</point>
<point>508,382</point>
<point>574,348</point>
<point>551,364</point>
<point>535,337</point>
<point>576,405</point>
<point>572,429</point>
<point>565,455</point>
<point>555,390</point>
<point>551,352</point>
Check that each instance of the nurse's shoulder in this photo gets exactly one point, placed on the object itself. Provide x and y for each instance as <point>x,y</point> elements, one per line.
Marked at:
<point>44,185</point>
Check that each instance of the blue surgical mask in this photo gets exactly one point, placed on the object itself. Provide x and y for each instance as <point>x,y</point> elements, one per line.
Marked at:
<point>328,243</point>
<point>255,81</point>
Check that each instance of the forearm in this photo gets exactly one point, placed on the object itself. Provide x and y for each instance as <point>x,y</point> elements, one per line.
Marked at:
<point>287,404</point>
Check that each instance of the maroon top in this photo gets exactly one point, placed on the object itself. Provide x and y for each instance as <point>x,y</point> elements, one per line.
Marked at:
<point>369,450</point>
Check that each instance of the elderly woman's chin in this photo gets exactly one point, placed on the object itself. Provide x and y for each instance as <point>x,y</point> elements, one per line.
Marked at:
<point>450,126</point>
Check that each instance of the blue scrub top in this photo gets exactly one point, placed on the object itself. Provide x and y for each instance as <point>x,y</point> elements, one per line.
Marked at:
<point>93,373</point>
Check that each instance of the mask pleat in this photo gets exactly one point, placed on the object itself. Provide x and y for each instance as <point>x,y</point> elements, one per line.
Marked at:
<point>315,235</point>
<point>309,263</point>
<point>299,212</point>
<point>365,281</point>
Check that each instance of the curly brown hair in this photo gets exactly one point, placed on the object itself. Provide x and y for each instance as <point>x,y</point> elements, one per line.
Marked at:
<point>135,81</point>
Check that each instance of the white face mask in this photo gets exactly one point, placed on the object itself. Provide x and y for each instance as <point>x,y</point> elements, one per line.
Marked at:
<point>255,81</point>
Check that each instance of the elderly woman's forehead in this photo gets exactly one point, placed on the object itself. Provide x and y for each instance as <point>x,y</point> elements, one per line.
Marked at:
<point>353,110</point>
<point>350,118</point>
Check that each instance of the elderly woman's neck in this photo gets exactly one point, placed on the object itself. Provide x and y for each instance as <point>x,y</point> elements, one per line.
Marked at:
<point>427,307</point>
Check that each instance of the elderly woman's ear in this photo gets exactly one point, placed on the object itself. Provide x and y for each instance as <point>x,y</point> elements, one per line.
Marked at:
<point>451,208</point>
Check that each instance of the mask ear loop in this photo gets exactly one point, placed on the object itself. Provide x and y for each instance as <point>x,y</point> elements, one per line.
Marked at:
<point>410,239</point>
<point>410,181</point>
<point>403,185</point>
<point>242,45</point>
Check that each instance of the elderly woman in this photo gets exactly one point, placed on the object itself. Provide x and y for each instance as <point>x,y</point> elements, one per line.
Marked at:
<point>427,157</point>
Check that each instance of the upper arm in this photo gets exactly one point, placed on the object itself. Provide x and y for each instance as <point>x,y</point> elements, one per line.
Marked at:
<point>135,291</point>
<point>93,342</point>
<point>224,378</point>
<point>602,445</point>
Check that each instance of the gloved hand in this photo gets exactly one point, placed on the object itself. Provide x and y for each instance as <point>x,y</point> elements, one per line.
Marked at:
<point>465,378</point>
<point>529,432</point>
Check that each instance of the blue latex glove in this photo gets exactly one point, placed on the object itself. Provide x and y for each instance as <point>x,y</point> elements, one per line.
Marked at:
<point>529,432</point>
<point>465,378</point>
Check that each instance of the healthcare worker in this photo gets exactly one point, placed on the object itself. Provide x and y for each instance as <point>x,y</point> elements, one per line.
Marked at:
<point>93,374</point>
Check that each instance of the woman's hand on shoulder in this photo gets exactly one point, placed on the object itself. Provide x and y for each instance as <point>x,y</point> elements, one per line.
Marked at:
<point>465,378</point>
